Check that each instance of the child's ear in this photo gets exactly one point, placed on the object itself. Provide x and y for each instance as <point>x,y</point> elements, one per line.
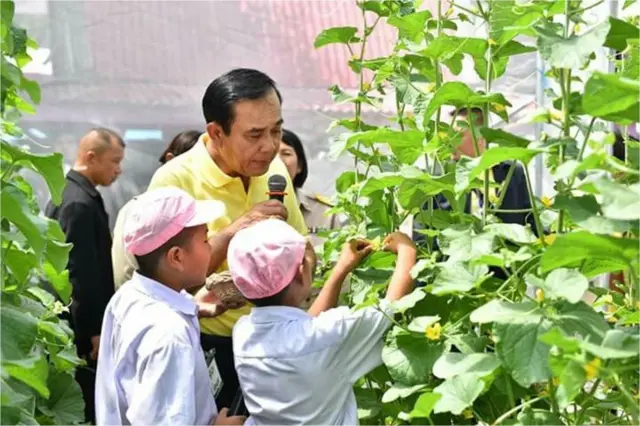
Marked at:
<point>174,257</point>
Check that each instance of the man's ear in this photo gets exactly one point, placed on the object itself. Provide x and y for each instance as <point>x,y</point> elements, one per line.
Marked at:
<point>90,157</point>
<point>215,132</point>
<point>169,156</point>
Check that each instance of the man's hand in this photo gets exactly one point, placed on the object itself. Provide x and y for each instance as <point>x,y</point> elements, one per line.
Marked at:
<point>397,242</point>
<point>262,211</point>
<point>223,419</point>
<point>352,254</point>
<point>95,347</point>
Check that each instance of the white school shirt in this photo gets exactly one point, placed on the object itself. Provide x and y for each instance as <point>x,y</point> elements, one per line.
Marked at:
<point>296,369</point>
<point>151,368</point>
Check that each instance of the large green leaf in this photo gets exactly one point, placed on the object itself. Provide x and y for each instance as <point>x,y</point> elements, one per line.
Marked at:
<point>32,371</point>
<point>521,351</point>
<point>538,417</point>
<point>410,358</point>
<point>619,201</point>
<point>10,415</point>
<point>572,52</point>
<point>454,364</point>
<point>411,26</point>
<point>570,250</point>
<point>407,146</point>
<point>58,280</point>
<point>461,244</point>
<point>19,331</point>
<point>572,380</point>
<point>458,393</point>
<point>457,277</point>
<point>581,320</point>
<point>620,32</point>
<point>65,403</point>
<point>503,139</point>
<point>400,391</point>
<point>15,209</point>
<point>512,232</point>
<point>47,165</point>
<point>611,96</point>
<point>562,283</point>
<point>631,62</point>
<point>504,312</point>
<point>343,35</point>
<point>509,19</point>
<point>408,301</point>
<point>617,344</point>
<point>459,95</point>
<point>585,212</point>
<point>57,250</point>
<point>424,405</point>
<point>20,263</point>
<point>420,324</point>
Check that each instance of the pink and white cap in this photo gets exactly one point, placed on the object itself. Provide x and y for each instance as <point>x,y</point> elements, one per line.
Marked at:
<point>160,214</point>
<point>264,258</point>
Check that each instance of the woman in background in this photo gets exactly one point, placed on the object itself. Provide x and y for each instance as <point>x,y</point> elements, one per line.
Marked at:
<point>123,263</point>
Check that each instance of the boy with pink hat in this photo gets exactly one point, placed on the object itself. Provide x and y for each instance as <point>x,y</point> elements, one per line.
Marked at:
<point>151,368</point>
<point>298,367</point>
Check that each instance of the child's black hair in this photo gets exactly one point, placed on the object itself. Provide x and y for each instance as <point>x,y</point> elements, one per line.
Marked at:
<point>275,300</point>
<point>148,263</point>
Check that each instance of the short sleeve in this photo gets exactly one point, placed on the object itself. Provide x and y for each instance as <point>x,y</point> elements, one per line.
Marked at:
<point>361,331</point>
<point>124,264</point>
<point>164,177</point>
<point>164,387</point>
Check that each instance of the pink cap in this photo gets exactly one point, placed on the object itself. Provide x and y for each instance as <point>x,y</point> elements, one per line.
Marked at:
<point>263,258</point>
<point>159,215</point>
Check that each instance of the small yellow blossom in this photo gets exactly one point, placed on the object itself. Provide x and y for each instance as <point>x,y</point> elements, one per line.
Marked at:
<point>555,381</point>
<point>430,87</point>
<point>366,87</point>
<point>449,12</point>
<point>499,107</point>
<point>539,295</point>
<point>467,414</point>
<point>433,331</point>
<point>442,135</point>
<point>556,114</point>
<point>638,305</point>
<point>549,239</point>
<point>592,368</point>
<point>493,198</point>
<point>577,28</point>
<point>492,42</point>
<point>612,319</point>
<point>546,201</point>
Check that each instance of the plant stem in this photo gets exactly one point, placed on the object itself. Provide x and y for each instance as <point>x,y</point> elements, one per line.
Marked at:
<point>485,115</point>
<point>515,410</point>
<point>581,11</point>
<point>510,211</point>
<point>505,185</point>
<point>469,11</point>
<point>582,150</point>
<point>534,206</point>
<point>565,86</point>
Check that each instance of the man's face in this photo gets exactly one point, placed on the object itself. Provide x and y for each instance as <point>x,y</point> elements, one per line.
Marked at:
<point>466,146</point>
<point>254,137</point>
<point>105,165</point>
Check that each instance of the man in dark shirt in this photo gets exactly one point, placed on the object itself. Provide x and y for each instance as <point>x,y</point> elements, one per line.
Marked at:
<point>86,225</point>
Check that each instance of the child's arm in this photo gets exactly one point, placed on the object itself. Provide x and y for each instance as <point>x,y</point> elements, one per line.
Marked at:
<point>401,282</point>
<point>352,254</point>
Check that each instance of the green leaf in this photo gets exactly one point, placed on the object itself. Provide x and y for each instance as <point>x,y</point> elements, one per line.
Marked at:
<point>521,351</point>
<point>342,35</point>
<point>617,344</point>
<point>456,277</point>
<point>54,332</point>
<point>584,211</point>
<point>455,364</point>
<point>619,33</point>
<point>494,156</point>
<point>611,97</point>
<point>503,139</point>
<point>398,391</point>
<point>58,280</point>
<point>20,263</point>
<point>572,52</point>
<point>458,393</point>
<point>459,94</point>
<point>620,202</point>
<point>409,358</point>
<point>32,88</point>
<point>407,146</point>
<point>408,301</point>
<point>571,382</point>
<point>512,232</point>
<point>65,403</point>
<point>67,360</point>
<point>461,244</point>
<point>420,324</point>
<point>57,250</point>
<point>581,320</point>
<point>569,250</point>
<point>410,26</point>
<point>18,332</point>
<point>508,20</point>
<point>14,415</point>
<point>562,283</point>
<point>15,208</point>
<point>555,337</point>
<point>368,403</point>
<point>49,166</point>
<point>537,417</point>
<point>424,405</point>
<point>6,13</point>
<point>468,343</point>
<point>32,371</point>
<point>631,62</point>
<point>500,311</point>
<point>378,7</point>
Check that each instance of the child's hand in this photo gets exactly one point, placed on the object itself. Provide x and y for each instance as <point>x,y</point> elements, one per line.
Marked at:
<point>224,419</point>
<point>352,254</point>
<point>397,242</point>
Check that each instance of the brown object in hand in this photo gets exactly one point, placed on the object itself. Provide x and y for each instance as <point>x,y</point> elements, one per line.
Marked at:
<point>222,286</point>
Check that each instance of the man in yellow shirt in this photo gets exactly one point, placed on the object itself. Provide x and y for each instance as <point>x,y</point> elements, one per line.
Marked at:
<point>232,163</point>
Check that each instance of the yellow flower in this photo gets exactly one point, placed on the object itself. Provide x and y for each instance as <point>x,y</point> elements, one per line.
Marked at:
<point>492,42</point>
<point>442,135</point>
<point>539,295</point>
<point>467,414</point>
<point>430,87</point>
<point>546,201</point>
<point>493,198</point>
<point>638,305</point>
<point>576,28</point>
<point>612,319</point>
<point>549,239</point>
<point>592,368</point>
<point>498,107</point>
<point>449,12</point>
<point>555,381</point>
<point>433,331</point>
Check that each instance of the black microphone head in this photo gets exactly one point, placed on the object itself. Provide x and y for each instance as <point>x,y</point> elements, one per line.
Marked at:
<point>277,183</point>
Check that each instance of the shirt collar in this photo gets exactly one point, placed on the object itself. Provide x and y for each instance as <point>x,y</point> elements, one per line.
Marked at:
<point>206,165</point>
<point>83,182</point>
<point>269,314</point>
<point>302,199</point>
<point>181,301</point>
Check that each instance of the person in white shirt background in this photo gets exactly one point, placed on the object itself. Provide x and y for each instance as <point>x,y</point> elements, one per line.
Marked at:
<point>151,368</point>
<point>298,367</point>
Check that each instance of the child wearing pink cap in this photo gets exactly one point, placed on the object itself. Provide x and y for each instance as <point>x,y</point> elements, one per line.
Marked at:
<point>298,367</point>
<point>151,368</point>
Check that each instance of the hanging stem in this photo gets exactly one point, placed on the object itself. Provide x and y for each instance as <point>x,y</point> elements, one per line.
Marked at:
<point>534,206</point>
<point>505,185</point>
<point>514,410</point>
<point>485,115</point>
<point>565,87</point>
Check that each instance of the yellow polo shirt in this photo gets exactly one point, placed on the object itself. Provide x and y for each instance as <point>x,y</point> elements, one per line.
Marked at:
<point>197,173</point>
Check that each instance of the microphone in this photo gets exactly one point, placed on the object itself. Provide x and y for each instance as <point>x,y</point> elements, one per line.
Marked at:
<point>277,185</point>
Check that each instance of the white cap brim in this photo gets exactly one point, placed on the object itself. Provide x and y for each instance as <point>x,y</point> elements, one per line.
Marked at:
<point>207,211</point>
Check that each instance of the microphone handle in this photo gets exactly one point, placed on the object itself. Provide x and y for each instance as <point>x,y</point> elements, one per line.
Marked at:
<point>278,197</point>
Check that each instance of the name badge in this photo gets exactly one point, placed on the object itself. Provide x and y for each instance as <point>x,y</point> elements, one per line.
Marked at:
<point>214,374</point>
